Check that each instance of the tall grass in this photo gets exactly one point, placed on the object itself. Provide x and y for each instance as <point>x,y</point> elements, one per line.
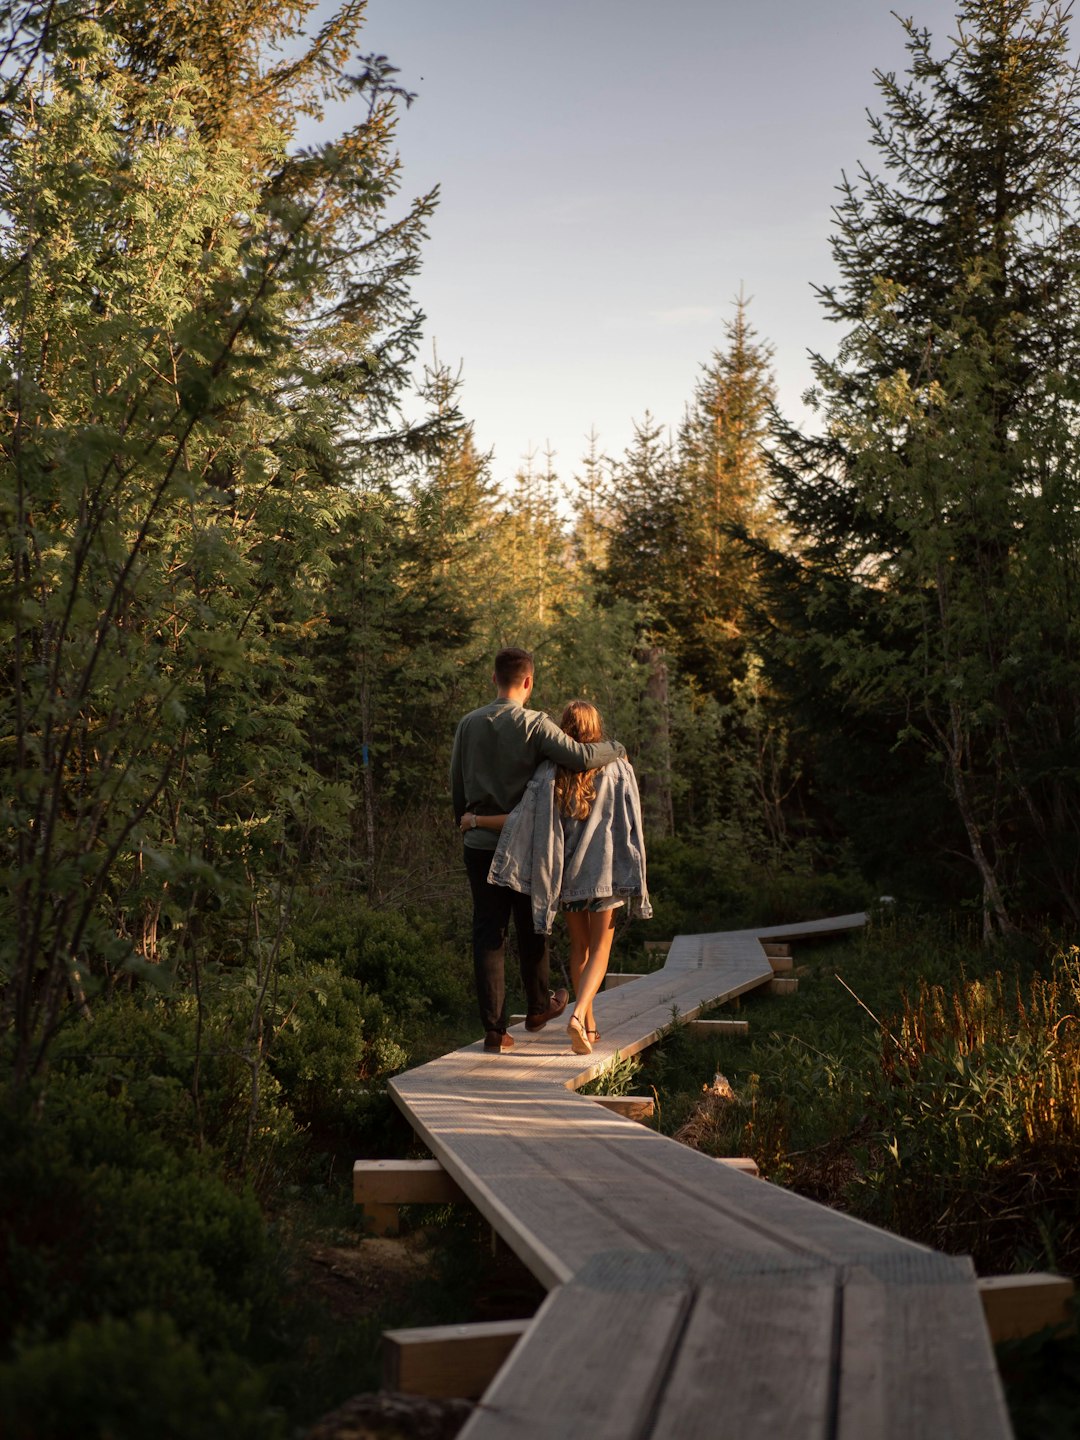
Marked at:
<point>979,1116</point>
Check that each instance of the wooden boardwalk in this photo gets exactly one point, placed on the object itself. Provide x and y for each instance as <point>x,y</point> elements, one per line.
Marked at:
<point>687,1299</point>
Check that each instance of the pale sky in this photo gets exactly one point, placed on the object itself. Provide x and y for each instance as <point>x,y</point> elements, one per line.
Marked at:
<point>612,171</point>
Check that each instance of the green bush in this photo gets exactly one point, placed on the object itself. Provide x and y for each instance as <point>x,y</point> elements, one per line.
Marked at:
<point>405,960</point>
<point>125,1379</point>
<point>708,883</point>
<point>187,1083</point>
<point>100,1217</point>
<point>334,1042</point>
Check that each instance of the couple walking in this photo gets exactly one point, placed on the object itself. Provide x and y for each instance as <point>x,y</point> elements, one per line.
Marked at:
<point>551,821</point>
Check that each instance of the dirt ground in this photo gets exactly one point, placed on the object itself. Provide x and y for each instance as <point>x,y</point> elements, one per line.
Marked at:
<point>353,1281</point>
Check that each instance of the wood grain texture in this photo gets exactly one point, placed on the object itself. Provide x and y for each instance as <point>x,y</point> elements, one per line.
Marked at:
<point>912,1353</point>
<point>596,1358</point>
<point>710,1029</point>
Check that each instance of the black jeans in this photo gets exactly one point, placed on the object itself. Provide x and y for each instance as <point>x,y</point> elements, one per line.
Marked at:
<point>492,907</point>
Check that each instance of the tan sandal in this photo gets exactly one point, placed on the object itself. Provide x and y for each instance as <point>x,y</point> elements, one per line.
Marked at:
<point>579,1040</point>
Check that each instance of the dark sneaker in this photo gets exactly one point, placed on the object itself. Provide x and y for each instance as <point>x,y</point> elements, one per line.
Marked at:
<point>498,1040</point>
<point>554,1010</point>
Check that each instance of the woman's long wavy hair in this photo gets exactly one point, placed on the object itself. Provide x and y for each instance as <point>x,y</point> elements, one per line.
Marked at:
<point>575,790</point>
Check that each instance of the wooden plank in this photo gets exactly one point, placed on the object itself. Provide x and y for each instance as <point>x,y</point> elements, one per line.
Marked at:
<point>777,949</point>
<point>403,1182</point>
<point>814,929</point>
<point>755,1362</point>
<point>913,1352</point>
<point>614,978</point>
<point>630,1020</point>
<point>717,1029</point>
<point>561,1382</point>
<point>781,964</point>
<point>746,1163</point>
<point>567,1179</point>
<point>448,1361</point>
<point>783,985</point>
<point>630,1107</point>
<point>1019,1305</point>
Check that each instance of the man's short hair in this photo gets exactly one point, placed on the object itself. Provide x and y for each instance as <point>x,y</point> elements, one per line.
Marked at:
<point>511,668</point>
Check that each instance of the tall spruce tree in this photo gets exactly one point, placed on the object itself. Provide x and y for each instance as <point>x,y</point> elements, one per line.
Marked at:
<point>931,614</point>
<point>724,475</point>
<point>674,511</point>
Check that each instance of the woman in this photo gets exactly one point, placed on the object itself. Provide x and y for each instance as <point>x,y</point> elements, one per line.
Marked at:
<point>575,844</point>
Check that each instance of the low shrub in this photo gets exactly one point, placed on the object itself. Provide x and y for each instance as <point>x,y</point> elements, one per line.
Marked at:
<point>132,1377</point>
<point>405,960</point>
<point>333,1045</point>
<point>100,1217</point>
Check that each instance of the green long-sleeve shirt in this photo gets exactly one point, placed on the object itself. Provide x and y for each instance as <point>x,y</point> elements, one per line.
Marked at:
<point>496,750</point>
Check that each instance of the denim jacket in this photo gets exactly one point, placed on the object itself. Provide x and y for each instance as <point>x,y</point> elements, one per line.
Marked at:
<point>556,859</point>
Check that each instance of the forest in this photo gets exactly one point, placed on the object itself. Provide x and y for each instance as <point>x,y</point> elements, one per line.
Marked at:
<point>256,564</point>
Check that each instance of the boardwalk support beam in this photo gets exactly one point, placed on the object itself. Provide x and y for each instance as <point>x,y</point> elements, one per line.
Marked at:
<point>448,1361</point>
<point>631,1107</point>
<point>381,1186</point>
<point>706,1029</point>
<point>1019,1305</point>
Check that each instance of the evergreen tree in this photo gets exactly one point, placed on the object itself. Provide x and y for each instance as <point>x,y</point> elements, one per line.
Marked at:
<point>192,359</point>
<point>675,512</point>
<point>932,605</point>
<point>725,477</point>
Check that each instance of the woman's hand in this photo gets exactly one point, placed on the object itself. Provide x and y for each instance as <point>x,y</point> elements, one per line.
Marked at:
<point>471,821</point>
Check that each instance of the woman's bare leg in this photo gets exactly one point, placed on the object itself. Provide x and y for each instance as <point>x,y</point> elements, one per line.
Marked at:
<point>577,925</point>
<point>601,928</point>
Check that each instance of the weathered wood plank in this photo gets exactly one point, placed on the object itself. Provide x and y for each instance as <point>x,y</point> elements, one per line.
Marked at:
<point>757,1352</point>
<point>746,1163</point>
<point>448,1361</point>
<point>560,1380</point>
<point>570,1179</point>
<point>913,1357</point>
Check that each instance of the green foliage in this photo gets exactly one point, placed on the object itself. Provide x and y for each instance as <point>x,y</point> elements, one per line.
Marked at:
<point>978,1112</point>
<point>134,1376</point>
<point>930,600</point>
<point>333,1045</point>
<point>402,958</point>
<point>618,1078</point>
<point>711,882</point>
<point>104,1218</point>
<point>200,336</point>
<point>913,1082</point>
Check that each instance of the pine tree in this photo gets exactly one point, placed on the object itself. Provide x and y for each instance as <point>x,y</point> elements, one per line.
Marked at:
<point>937,512</point>
<point>724,473</point>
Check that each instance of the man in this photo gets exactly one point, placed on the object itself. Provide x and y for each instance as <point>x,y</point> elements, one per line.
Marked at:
<point>496,750</point>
